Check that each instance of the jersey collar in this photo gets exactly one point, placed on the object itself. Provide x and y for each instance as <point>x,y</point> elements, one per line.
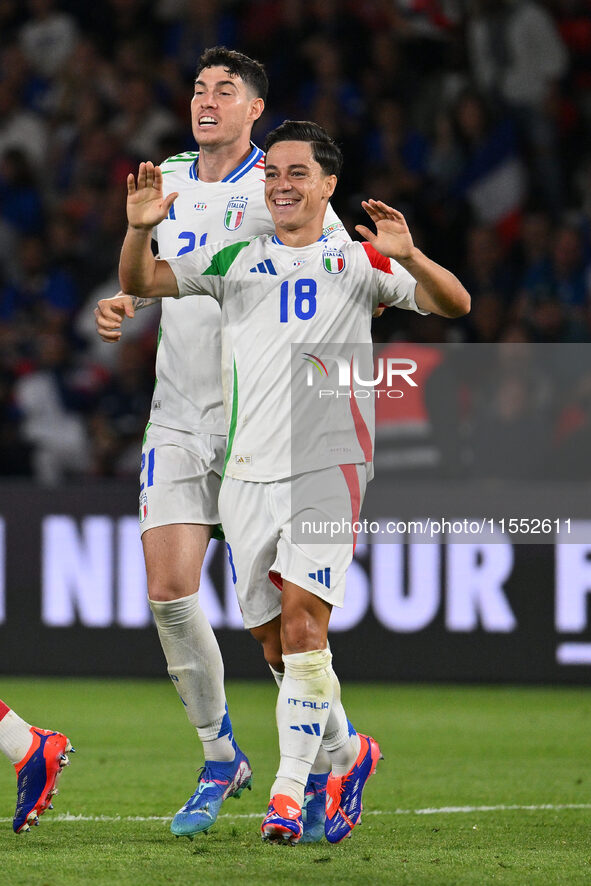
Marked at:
<point>275,239</point>
<point>256,157</point>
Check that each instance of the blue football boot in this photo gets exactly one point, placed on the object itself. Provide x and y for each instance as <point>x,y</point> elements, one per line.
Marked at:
<point>216,782</point>
<point>314,808</point>
<point>343,793</point>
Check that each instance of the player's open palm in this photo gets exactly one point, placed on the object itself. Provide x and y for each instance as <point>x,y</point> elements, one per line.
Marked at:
<point>392,237</point>
<point>146,205</point>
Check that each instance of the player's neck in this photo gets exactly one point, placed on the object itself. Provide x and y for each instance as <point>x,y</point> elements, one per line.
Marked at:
<point>303,236</point>
<point>214,164</point>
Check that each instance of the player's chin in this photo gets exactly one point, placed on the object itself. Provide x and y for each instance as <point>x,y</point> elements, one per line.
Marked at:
<point>287,216</point>
<point>206,133</point>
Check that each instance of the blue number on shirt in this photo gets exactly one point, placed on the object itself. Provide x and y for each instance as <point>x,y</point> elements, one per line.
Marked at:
<point>151,455</point>
<point>191,239</point>
<point>305,300</point>
<point>189,236</point>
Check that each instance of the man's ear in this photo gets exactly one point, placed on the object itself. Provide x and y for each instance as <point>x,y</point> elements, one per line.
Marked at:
<point>257,106</point>
<point>329,185</point>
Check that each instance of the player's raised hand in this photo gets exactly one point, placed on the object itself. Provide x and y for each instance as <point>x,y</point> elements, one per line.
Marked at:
<point>146,205</point>
<point>393,238</point>
<point>110,313</point>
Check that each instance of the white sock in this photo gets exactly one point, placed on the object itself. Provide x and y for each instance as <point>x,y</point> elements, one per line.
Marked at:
<point>195,666</point>
<point>303,705</point>
<point>15,735</point>
<point>340,739</point>
<point>322,763</point>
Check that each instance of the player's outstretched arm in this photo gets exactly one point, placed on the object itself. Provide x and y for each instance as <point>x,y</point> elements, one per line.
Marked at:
<point>438,290</point>
<point>139,271</point>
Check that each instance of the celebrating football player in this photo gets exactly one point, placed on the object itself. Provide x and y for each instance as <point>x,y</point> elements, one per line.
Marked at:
<point>280,294</point>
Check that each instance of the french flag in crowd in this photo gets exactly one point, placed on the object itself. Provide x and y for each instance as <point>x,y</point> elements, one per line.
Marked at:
<point>494,181</point>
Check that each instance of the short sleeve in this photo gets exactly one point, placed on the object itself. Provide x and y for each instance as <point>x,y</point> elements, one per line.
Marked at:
<point>394,285</point>
<point>202,271</point>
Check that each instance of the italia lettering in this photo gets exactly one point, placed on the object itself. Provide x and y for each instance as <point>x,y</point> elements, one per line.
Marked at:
<point>317,706</point>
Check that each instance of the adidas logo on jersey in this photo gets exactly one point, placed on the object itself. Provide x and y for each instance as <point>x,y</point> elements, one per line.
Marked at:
<point>264,267</point>
<point>322,576</point>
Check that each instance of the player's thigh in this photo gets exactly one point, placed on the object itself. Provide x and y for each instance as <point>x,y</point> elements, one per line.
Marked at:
<point>251,533</point>
<point>174,556</point>
<point>311,553</point>
<point>180,478</point>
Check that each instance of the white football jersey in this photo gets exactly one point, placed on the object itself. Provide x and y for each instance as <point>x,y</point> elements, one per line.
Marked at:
<point>288,313</point>
<point>188,391</point>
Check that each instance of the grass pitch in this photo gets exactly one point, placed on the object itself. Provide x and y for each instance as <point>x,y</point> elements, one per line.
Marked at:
<point>478,785</point>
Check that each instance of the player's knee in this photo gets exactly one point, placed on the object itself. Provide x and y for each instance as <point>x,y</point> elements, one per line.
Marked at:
<point>301,632</point>
<point>166,591</point>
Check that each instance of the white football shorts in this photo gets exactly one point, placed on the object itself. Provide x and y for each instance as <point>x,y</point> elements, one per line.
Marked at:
<point>263,527</point>
<point>180,477</point>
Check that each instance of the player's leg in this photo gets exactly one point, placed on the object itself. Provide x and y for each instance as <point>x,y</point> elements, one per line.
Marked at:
<point>38,755</point>
<point>303,705</point>
<point>178,507</point>
<point>174,556</point>
<point>319,569</point>
<point>313,809</point>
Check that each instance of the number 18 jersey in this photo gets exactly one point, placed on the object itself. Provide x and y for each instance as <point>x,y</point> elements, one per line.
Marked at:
<point>284,310</point>
<point>188,391</point>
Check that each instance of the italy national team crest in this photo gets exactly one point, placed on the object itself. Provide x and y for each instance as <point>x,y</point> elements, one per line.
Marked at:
<point>143,507</point>
<point>235,213</point>
<point>333,260</point>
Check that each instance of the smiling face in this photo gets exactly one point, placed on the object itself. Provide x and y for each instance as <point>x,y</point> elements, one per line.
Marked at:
<point>297,189</point>
<point>223,109</point>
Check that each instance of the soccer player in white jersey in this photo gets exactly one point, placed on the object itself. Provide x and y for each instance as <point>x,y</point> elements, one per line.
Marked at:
<point>220,196</point>
<point>38,755</point>
<point>318,292</point>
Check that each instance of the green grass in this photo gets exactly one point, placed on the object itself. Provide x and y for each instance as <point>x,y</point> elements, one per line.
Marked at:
<point>443,747</point>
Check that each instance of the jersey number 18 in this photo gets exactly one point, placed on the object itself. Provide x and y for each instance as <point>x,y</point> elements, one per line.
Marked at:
<point>304,305</point>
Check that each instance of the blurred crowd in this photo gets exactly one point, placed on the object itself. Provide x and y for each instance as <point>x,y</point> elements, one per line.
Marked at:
<point>473,117</point>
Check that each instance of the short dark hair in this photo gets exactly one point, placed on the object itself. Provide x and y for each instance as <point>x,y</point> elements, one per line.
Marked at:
<point>236,64</point>
<point>324,150</point>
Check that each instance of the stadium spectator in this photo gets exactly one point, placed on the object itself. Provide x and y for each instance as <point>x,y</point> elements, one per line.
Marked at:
<point>555,290</point>
<point>142,122</point>
<point>52,399</point>
<point>21,205</point>
<point>20,128</point>
<point>492,180</point>
<point>518,59</point>
<point>48,38</point>
<point>118,419</point>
